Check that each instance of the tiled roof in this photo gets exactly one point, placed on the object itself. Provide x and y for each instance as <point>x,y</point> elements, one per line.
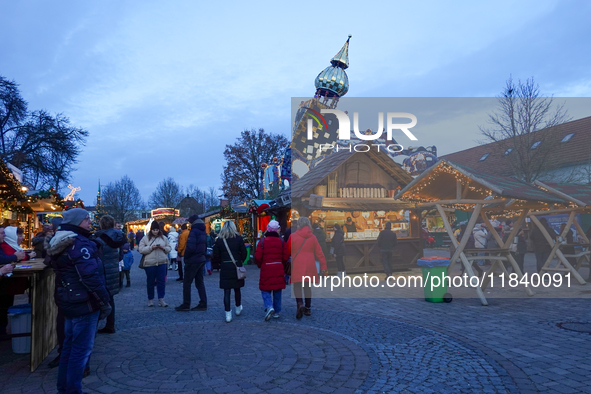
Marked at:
<point>575,151</point>
<point>442,185</point>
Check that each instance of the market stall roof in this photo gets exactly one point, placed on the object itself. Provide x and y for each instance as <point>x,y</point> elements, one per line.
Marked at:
<point>450,183</point>
<point>577,194</point>
<point>209,213</point>
<point>282,200</point>
<point>301,187</point>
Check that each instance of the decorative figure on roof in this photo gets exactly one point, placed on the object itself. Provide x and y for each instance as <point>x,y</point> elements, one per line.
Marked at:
<point>73,190</point>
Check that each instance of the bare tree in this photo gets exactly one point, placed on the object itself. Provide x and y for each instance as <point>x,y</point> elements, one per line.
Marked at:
<point>522,119</point>
<point>13,109</point>
<point>168,194</point>
<point>122,199</point>
<point>241,178</point>
<point>211,199</point>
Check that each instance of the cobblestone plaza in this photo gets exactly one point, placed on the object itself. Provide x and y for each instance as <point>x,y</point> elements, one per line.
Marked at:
<point>346,346</point>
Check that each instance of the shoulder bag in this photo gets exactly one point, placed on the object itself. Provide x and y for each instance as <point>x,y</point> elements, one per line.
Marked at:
<point>240,271</point>
<point>288,267</point>
<point>142,264</point>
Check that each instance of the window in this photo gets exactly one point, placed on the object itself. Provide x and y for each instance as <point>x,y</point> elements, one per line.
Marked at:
<point>483,158</point>
<point>567,137</point>
<point>536,144</point>
<point>509,150</point>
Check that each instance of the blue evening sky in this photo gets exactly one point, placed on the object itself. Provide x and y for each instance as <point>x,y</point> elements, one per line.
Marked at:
<point>163,86</point>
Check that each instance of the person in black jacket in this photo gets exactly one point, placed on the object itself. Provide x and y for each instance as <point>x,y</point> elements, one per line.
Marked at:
<point>338,248</point>
<point>542,248</point>
<point>81,292</point>
<point>194,258</point>
<point>387,241</point>
<point>228,275</point>
<point>110,241</point>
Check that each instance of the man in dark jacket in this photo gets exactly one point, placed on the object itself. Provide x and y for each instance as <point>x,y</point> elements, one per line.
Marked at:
<point>195,252</point>
<point>110,239</point>
<point>542,248</point>
<point>81,293</point>
<point>38,240</point>
<point>387,241</point>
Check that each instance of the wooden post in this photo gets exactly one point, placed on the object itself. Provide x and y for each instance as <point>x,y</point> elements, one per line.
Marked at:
<point>460,247</point>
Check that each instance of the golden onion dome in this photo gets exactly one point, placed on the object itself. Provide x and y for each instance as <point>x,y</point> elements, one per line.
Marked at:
<point>333,80</point>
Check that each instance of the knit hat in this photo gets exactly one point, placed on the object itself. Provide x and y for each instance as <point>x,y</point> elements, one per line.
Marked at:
<point>125,247</point>
<point>55,223</point>
<point>75,216</point>
<point>273,226</point>
<point>192,218</point>
<point>154,226</point>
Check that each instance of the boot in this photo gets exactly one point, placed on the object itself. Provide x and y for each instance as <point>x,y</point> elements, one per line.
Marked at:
<point>128,284</point>
<point>162,303</point>
<point>228,317</point>
<point>300,311</point>
<point>238,310</point>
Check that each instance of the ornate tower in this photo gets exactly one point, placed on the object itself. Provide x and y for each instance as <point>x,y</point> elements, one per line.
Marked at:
<point>331,84</point>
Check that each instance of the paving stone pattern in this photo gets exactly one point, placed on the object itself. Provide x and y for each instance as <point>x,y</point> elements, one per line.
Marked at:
<point>346,346</point>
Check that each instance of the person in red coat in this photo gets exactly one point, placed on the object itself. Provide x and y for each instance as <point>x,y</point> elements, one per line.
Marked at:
<point>270,258</point>
<point>306,251</point>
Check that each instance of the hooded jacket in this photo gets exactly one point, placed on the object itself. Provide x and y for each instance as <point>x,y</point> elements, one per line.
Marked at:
<point>196,246</point>
<point>304,257</point>
<point>269,257</point>
<point>173,240</point>
<point>79,271</point>
<point>183,242</point>
<point>154,257</point>
<point>479,237</point>
<point>110,240</point>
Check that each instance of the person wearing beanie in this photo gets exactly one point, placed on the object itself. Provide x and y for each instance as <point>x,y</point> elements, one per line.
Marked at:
<point>82,295</point>
<point>155,248</point>
<point>194,258</point>
<point>269,257</point>
<point>127,263</point>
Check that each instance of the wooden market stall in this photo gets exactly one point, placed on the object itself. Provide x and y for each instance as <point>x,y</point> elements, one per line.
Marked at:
<point>355,190</point>
<point>579,199</point>
<point>450,185</point>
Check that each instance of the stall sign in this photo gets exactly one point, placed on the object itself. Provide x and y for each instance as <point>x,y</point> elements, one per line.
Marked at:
<point>165,211</point>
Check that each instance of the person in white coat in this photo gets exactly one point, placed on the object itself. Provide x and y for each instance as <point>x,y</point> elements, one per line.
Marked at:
<point>480,235</point>
<point>173,241</point>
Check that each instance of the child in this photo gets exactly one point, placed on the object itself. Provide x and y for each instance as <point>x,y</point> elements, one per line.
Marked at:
<point>127,263</point>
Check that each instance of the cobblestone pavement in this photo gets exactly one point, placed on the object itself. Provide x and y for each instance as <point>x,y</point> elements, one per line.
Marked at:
<point>346,346</point>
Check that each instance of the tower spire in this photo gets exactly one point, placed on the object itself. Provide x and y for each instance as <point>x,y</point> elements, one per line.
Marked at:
<point>332,83</point>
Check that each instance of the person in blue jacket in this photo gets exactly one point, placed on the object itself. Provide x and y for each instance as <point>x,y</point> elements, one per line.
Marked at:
<point>81,293</point>
<point>127,263</point>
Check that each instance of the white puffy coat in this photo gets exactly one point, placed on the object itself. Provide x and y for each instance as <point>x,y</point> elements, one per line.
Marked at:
<point>173,240</point>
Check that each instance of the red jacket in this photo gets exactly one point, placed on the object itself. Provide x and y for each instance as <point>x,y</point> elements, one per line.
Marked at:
<point>269,257</point>
<point>304,264</point>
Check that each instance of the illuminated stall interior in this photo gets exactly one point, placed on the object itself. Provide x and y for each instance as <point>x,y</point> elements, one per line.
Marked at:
<point>355,190</point>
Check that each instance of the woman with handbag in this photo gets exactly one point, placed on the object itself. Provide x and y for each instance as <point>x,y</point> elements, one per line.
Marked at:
<point>229,251</point>
<point>306,251</point>
<point>155,248</point>
<point>270,258</point>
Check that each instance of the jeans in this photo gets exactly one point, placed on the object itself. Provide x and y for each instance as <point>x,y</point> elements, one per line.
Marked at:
<point>194,271</point>
<point>481,262</point>
<point>340,263</point>
<point>206,267</point>
<point>80,332</point>
<point>272,299</point>
<point>121,275</point>
<point>237,298</point>
<point>386,258</point>
<point>541,258</point>
<point>156,274</point>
